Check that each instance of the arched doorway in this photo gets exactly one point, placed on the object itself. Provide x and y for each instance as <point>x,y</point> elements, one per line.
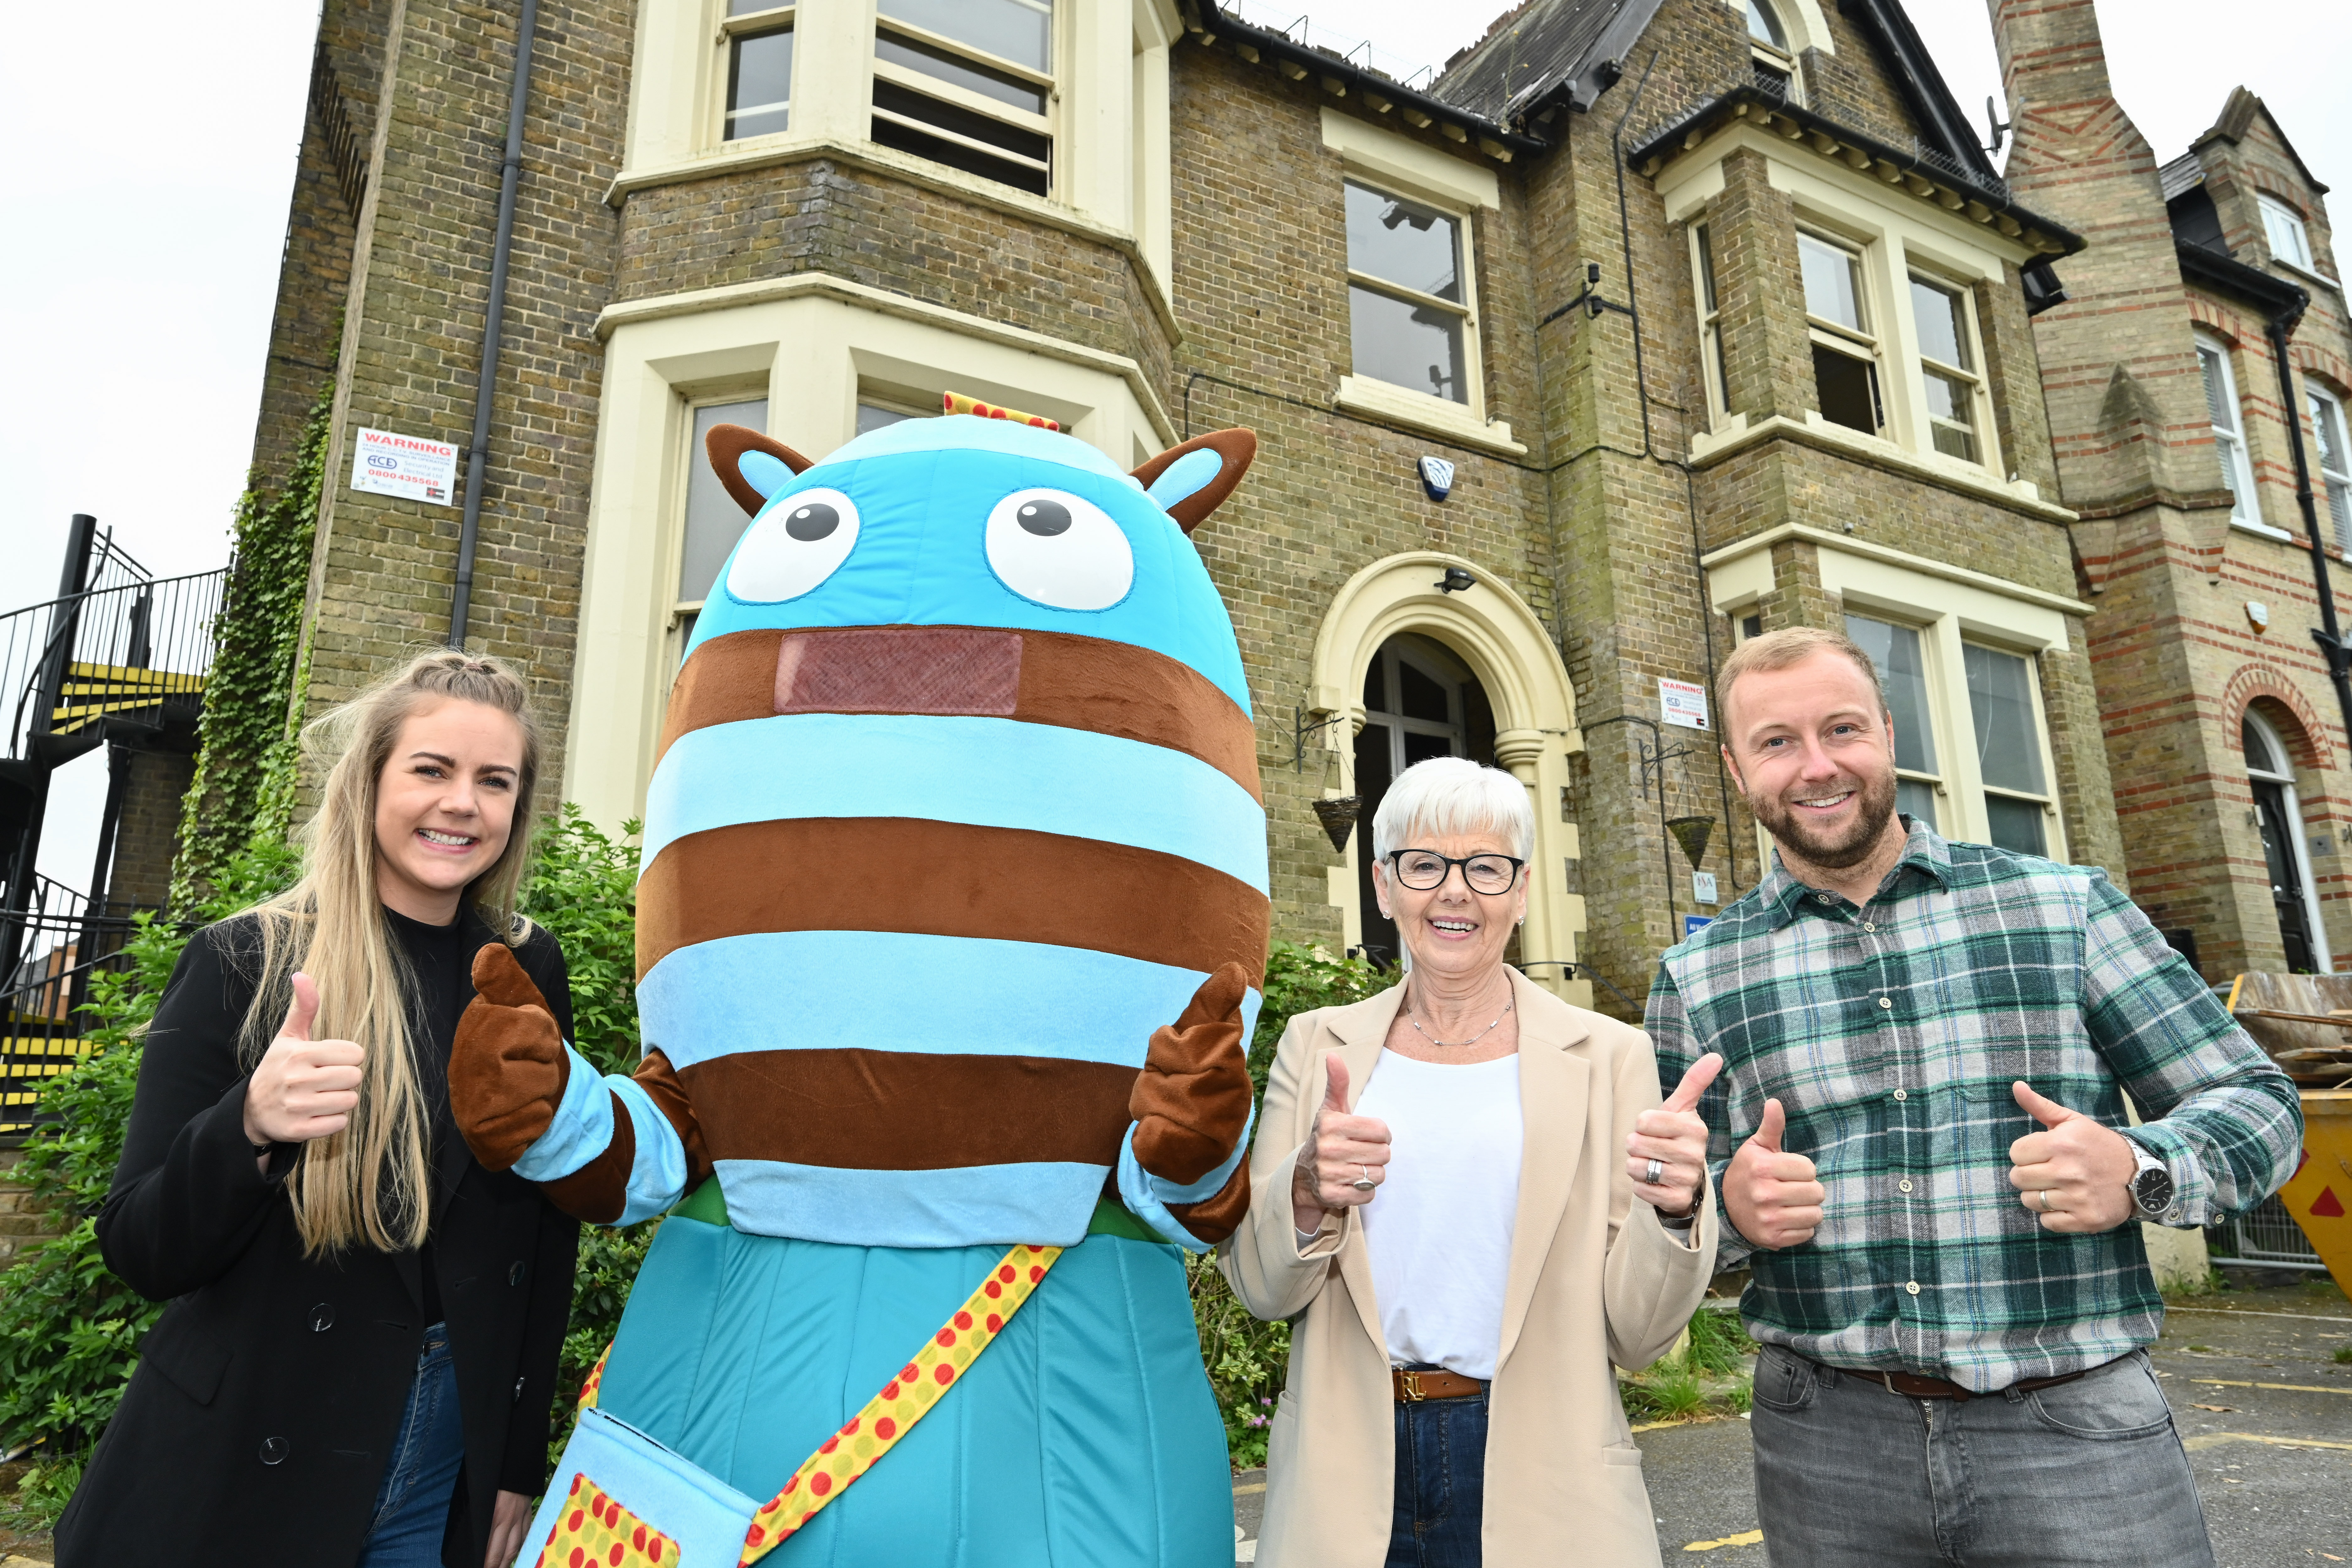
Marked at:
<point>1402,640</point>
<point>1420,701</point>
<point>2279,814</point>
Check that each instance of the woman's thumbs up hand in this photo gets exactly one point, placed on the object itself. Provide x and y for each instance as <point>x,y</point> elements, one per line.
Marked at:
<point>303,1089</point>
<point>1346,1157</point>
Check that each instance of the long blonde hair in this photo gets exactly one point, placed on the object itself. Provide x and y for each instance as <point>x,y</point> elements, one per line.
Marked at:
<point>371,1183</point>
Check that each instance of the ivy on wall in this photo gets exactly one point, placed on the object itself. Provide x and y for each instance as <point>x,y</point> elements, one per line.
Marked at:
<point>243,790</point>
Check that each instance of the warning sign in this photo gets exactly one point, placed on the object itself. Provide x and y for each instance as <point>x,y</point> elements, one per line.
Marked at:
<point>1680,702</point>
<point>386,464</point>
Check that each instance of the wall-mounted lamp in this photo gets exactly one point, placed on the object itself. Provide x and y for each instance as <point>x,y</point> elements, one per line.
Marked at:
<point>1456,581</point>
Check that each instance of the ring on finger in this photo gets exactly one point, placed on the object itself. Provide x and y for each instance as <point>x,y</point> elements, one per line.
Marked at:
<point>1654,1173</point>
<point>1364,1184</point>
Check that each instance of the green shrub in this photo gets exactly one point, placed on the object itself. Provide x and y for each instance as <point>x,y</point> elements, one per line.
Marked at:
<point>1718,1344</point>
<point>1245,1360</point>
<point>1300,979</point>
<point>69,1331</point>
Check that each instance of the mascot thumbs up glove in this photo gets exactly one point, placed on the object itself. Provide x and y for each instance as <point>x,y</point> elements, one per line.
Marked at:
<point>525,1100</point>
<point>1182,1171</point>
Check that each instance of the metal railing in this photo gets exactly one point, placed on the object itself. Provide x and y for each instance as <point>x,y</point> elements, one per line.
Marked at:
<point>67,943</point>
<point>117,651</point>
<point>2267,1235</point>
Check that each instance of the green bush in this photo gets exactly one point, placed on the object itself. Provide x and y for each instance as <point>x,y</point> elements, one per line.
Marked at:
<point>1300,979</point>
<point>69,1331</point>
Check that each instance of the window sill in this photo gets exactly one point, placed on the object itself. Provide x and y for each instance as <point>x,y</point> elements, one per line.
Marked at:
<point>1401,405</point>
<point>2265,531</point>
<point>1737,431</point>
<point>2300,270</point>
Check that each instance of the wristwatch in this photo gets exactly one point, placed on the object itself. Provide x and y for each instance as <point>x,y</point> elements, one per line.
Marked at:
<point>2150,1186</point>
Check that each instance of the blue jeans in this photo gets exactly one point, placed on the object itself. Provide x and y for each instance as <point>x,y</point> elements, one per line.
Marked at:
<point>2089,1474</point>
<point>1441,1482</point>
<point>412,1501</point>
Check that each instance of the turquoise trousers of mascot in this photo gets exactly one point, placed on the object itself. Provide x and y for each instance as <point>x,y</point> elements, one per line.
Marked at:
<point>1085,1436</point>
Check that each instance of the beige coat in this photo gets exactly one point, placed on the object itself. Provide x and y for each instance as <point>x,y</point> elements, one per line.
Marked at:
<point>1594,1279</point>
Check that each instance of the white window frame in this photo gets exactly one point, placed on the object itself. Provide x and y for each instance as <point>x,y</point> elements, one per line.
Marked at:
<point>2329,429</point>
<point>2048,799</point>
<point>942,91</point>
<point>2298,835</point>
<point>1949,607</point>
<point>731,31</point>
<point>1979,394</point>
<point>2282,222</point>
<point>1839,338</point>
<point>1473,371</point>
<point>2230,443</point>
<point>1776,60</point>
<point>1707,293</point>
<point>686,452</point>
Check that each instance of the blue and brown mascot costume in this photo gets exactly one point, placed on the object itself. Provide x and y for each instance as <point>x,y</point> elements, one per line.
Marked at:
<point>951,922</point>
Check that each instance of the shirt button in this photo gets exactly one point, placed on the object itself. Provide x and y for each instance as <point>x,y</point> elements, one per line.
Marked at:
<point>1870,926</point>
<point>1912,1285</point>
<point>1902,1094</point>
<point>1825,898</point>
<point>1903,1186</point>
<point>322,1318</point>
<point>1886,1001</point>
<point>274,1450</point>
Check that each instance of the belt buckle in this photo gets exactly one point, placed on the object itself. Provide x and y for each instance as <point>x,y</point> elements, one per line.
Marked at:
<point>1411,1381</point>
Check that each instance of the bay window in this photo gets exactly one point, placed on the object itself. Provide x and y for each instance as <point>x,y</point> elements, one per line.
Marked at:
<point>758,38</point>
<point>2006,707</point>
<point>1845,350</point>
<point>969,84</point>
<point>1902,664</point>
<point>1947,367</point>
<point>1710,324</point>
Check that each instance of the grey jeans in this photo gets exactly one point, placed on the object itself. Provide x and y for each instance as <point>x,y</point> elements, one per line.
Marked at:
<point>2089,1474</point>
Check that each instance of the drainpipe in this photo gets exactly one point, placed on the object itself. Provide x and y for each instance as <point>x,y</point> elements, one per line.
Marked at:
<point>478,454</point>
<point>2327,634</point>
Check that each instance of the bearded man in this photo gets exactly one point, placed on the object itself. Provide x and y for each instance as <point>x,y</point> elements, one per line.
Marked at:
<point>1922,1149</point>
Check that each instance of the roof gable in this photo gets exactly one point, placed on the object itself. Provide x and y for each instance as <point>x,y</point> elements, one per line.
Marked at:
<point>2237,118</point>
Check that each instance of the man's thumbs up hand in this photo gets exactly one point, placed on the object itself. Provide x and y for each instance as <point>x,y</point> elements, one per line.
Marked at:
<point>1341,1151</point>
<point>302,1088</point>
<point>2074,1175</point>
<point>1772,1196</point>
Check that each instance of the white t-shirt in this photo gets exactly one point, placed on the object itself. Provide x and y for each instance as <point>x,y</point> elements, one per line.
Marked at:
<point>1439,1229</point>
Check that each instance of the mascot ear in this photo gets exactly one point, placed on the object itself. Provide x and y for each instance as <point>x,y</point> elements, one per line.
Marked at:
<point>751,467</point>
<point>1193,481</point>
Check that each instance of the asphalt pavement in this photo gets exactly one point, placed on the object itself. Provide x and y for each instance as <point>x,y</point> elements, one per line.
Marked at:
<point>2262,1407</point>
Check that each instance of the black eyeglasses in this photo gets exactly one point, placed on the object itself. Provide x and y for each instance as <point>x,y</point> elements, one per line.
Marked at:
<point>1422,870</point>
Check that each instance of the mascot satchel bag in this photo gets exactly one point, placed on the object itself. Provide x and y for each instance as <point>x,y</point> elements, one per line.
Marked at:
<point>951,926</point>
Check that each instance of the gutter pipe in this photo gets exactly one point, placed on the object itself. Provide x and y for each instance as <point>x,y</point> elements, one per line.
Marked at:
<point>2327,634</point>
<point>478,454</point>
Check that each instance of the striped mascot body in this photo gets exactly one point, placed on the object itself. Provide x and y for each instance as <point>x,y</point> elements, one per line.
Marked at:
<point>950,922</point>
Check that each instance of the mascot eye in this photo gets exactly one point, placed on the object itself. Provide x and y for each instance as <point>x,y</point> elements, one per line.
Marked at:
<point>1056,549</point>
<point>796,544</point>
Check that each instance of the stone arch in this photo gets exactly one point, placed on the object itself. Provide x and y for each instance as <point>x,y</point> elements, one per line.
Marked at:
<point>2305,736</point>
<point>2221,321</point>
<point>2331,368</point>
<point>1496,634</point>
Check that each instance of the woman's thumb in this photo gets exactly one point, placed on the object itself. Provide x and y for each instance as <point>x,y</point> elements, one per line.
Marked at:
<point>1335,1083</point>
<point>1767,1132</point>
<point>304,1009</point>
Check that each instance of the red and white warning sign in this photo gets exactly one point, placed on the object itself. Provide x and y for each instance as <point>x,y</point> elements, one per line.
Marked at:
<point>385,463</point>
<point>1682,702</point>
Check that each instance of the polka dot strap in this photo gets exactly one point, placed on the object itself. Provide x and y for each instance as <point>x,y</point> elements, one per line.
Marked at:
<point>904,1400</point>
<point>595,1532</point>
<point>595,1381</point>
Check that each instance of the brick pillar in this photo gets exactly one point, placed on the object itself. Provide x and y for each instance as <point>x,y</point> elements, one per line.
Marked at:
<point>2135,459</point>
<point>1767,365</point>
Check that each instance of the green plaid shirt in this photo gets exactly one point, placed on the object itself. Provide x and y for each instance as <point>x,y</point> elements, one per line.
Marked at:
<point>1890,1034</point>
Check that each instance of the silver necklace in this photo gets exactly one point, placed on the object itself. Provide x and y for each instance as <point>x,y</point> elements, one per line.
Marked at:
<point>1507,1007</point>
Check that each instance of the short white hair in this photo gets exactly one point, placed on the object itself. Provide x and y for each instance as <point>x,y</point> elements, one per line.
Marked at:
<point>1446,796</point>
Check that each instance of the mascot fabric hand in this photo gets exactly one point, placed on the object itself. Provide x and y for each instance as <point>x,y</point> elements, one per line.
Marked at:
<point>952,922</point>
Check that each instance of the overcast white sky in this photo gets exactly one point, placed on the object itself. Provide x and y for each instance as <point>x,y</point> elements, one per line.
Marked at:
<point>147,183</point>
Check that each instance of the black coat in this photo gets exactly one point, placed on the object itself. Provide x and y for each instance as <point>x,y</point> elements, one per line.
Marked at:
<point>268,1396</point>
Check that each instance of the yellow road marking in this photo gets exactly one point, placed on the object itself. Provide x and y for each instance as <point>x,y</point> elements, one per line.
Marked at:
<point>2289,1387</point>
<point>2214,1440</point>
<point>1252,1487</point>
<point>1746,1537</point>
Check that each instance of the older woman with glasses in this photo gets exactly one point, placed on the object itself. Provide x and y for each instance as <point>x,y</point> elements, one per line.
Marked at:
<point>1471,1191</point>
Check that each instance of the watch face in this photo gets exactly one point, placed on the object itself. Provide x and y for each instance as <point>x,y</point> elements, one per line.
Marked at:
<point>2152,1189</point>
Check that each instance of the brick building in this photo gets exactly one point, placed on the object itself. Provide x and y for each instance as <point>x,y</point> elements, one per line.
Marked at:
<point>2203,533</point>
<point>1716,312</point>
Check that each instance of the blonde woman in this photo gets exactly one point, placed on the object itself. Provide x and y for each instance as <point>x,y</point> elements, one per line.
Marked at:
<point>359,1357</point>
<point>1468,1197</point>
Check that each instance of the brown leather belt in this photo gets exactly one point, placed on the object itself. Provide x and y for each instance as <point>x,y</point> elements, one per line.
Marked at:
<point>1413,1388</point>
<point>1917,1387</point>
